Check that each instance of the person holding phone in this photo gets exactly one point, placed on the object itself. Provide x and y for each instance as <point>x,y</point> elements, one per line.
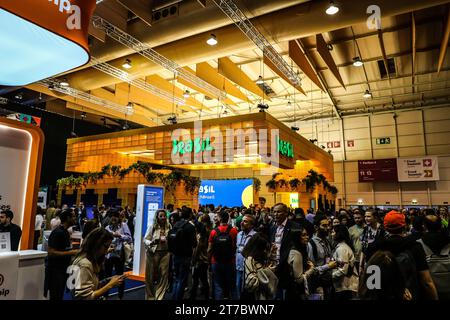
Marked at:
<point>87,265</point>
<point>158,257</point>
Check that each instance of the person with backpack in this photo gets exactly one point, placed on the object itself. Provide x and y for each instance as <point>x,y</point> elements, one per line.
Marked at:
<point>181,242</point>
<point>222,251</point>
<point>410,257</point>
<point>320,253</point>
<point>158,257</point>
<point>436,244</point>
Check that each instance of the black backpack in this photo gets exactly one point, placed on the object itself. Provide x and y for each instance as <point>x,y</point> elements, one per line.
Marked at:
<point>223,249</point>
<point>175,238</point>
<point>408,270</point>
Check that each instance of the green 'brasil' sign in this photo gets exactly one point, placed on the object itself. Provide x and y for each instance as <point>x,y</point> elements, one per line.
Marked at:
<point>285,148</point>
<point>189,146</point>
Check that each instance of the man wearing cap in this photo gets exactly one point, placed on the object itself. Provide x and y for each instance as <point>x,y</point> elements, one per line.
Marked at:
<point>410,256</point>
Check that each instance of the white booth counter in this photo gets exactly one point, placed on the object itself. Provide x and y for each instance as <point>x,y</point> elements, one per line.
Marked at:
<point>22,275</point>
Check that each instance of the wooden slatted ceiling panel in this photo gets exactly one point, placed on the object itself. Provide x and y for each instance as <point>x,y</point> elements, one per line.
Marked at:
<point>104,110</point>
<point>133,94</point>
<point>302,62</point>
<point>211,75</point>
<point>230,70</point>
<point>326,56</point>
<point>269,63</point>
<point>169,87</point>
<point>190,85</point>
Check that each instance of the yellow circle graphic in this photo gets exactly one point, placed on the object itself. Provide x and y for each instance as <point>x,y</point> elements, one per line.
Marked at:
<point>247,196</point>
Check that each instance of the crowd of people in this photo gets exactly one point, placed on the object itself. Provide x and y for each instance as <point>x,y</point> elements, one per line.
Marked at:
<point>255,253</point>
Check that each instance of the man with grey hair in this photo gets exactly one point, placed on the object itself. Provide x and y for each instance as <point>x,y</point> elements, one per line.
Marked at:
<point>247,226</point>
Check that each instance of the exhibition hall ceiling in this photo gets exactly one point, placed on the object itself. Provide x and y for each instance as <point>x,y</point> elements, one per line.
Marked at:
<point>404,62</point>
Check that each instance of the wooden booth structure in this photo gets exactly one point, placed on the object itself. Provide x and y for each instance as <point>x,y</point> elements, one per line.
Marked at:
<point>238,147</point>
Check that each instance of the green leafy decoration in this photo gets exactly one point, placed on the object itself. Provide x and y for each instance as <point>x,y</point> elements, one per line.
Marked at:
<point>256,184</point>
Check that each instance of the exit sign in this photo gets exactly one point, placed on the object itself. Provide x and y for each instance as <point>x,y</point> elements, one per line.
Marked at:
<point>383,140</point>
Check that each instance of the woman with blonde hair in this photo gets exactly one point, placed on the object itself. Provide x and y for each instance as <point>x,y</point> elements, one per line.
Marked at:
<point>158,257</point>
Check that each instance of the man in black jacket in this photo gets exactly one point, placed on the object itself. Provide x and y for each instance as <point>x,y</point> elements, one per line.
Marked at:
<point>280,238</point>
<point>183,252</point>
<point>410,256</point>
<point>14,230</point>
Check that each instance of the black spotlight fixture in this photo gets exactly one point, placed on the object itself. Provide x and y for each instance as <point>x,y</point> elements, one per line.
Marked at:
<point>83,115</point>
<point>295,128</point>
<point>73,134</point>
<point>262,107</point>
<point>126,126</point>
<point>323,147</point>
<point>313,140</point>
<point>173,120</point>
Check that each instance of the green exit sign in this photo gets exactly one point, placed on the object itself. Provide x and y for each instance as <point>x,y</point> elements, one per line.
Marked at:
<point>383,140</point>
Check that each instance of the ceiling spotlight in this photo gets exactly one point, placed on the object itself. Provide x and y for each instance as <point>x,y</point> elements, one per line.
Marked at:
<point>19,96</point>
<point>260,80</point>
<point>295,128</point>
<point>263,107</point>
<point>323,147</point>
<point>212,41</point>
<point>40,96</point>
<point>186,94</point>
<point>64,83</point>
<point>73,134</point>
<point>126,126</point>
<point>130,106</point>
<point>357,62</point>
<point>172,120</point>
<point>83,115</point>
<point>127,64</point>
<point>332,9</point>
<point>367,94</point>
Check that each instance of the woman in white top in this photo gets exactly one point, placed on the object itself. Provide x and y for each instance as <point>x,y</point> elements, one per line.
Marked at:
<point>39,222</point>
<point>87,265</point>
<point>301,268</point>
<point>345,279</point>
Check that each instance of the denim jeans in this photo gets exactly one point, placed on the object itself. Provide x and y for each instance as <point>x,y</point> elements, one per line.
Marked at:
<point>239,283</point>
<point>224,281</point>
<point>182,267</point>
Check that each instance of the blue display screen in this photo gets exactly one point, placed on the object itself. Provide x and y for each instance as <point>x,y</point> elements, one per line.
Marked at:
<point>153,200</point>
<point>228,193</point>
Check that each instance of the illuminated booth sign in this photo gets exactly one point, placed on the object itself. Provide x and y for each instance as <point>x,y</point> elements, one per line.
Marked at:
<point>42,38</point>
<point>285,148</point>
<point>196,146</point>
<point>230,193</point>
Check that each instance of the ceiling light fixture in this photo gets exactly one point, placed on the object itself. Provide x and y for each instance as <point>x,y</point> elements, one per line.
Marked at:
<point>130,106</point>
<point>64,83</point>
<point>186,94</point>
<point>357,62</point>
<point>127,64</point>
<point>332,9</point>
<point>19,96</point>
<point>83,115</point>
<point>367,94</point>
<point>212,41</point>
<point>260,80</point>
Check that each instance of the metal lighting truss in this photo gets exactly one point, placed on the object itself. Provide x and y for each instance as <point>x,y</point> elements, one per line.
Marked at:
<point>147,52</point>
<point>243,23</point>
<point>55,85</point>
<point>139,83</point>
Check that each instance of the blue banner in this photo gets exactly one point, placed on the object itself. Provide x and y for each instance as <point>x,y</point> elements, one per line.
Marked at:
<point>230,193</point>
<point>153,200</point>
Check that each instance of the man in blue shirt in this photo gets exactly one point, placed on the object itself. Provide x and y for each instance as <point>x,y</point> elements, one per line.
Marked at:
<point>247,226</point>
